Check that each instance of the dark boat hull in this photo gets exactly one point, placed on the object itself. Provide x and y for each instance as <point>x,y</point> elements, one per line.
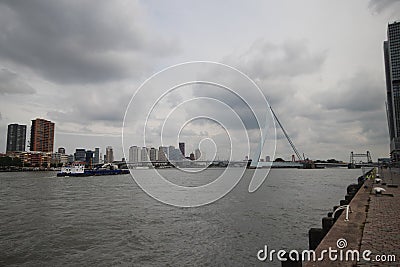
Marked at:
<point>93,173</point>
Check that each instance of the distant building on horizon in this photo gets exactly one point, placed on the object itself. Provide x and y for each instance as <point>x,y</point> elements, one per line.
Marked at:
<point>391,48</point>
<point>182,148</point>
<point>133,154</point>
<point>80,154</point>
<point>163,153</point>
<point>61,150</point>
<point>16,137</point>
<point>197,154</point>
<point>42,135</point>
<point>96,159</point>
<point>153,154</point>
<point>89,156</point>
<point>109,156</point>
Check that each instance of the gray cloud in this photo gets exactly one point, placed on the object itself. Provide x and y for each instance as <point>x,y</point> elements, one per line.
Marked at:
<point>289,59</point>
<point>12,83</point>
<point>361,92</point>
<point>380,5</point>
<point>79,41</point>
<point>92,106</point>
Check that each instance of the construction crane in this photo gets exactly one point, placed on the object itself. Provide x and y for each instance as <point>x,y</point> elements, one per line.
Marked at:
<point>287,137</point>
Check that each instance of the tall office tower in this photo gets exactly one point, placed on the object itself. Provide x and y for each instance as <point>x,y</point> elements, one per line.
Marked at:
<point>144,154</point>
<point>109,157</point>
<point>391,49</point>
<point>197,154</point>
<point>61,150</point>
<point>42,135</point>
<point>96,159</point>
<point>182,148</point>
<point>153,154</point>
<point>80,154</point>
<point>16,137</point>
<point>133,154</point>
<point>89,157</point>
<point>163,153</point>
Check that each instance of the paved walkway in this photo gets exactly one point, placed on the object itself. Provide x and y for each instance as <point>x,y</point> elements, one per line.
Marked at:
<point>382,228</point>
<point>374,225</point>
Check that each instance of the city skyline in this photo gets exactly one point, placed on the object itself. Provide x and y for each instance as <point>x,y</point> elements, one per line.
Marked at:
<point>321,69</point>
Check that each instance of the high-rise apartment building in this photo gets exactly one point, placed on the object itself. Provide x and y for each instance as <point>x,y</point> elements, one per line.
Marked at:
<point>109,157</point>
<point>133,154</point>
<point>80,154</point>
<point>61,150</point>
<point>42,135</point>
<point>391,48</point>
<point>182,148</point>
<point>96,159</point>
<point>197,154</point>
<point>153,154</point>
<point>16,137</point>
<point>144,154</point>
<point>163,153</point>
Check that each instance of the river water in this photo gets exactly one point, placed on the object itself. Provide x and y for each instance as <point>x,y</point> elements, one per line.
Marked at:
<point>109,220</point>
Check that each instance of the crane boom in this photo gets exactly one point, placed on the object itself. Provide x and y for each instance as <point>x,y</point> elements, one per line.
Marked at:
<point>287,136</point>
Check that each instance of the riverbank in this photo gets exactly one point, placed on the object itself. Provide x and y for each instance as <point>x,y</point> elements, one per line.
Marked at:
<point>373,225</point>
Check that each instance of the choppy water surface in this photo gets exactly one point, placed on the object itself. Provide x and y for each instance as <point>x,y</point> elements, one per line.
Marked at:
<point>109,220</point>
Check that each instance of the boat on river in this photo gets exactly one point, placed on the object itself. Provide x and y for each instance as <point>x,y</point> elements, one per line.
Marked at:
<point>78,169</point>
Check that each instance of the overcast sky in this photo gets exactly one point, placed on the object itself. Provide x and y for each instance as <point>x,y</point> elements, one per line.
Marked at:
<point>319,64</point>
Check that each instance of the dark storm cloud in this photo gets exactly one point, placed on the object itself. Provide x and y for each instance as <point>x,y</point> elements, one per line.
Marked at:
<point>12,83</point>
<point>361,92</point>
<point>380,5</point>
<point>78,41</point>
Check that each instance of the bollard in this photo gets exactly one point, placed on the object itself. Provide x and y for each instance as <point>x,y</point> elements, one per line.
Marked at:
<point>327,223</point>
<point>352,189</point>
<point>337,214</point>
<point>291,263</point>
<point>335,207</point>
<point>315,236</point>
<point>348,197</point>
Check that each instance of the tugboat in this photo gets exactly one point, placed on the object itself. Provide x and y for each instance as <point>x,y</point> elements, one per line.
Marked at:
<point>78,169</point>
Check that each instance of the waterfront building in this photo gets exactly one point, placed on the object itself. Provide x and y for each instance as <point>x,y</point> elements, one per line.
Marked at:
<point>96,159</point>
<point>42,135</point>
<point>163,153</point>
<point>16,137</point>
<point>182,148</point>
<point>61,150</point>
<point>71,158</point>
<point>391,49</point>
<point>153,154</point>
<point>89,155</point>
<point>56,158</point>
<point>80,154</point>
<point>64,159</point>
<point>109,157</point>
<point>197,154</point>
<point>133,154</point>
<point>144,154</point>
